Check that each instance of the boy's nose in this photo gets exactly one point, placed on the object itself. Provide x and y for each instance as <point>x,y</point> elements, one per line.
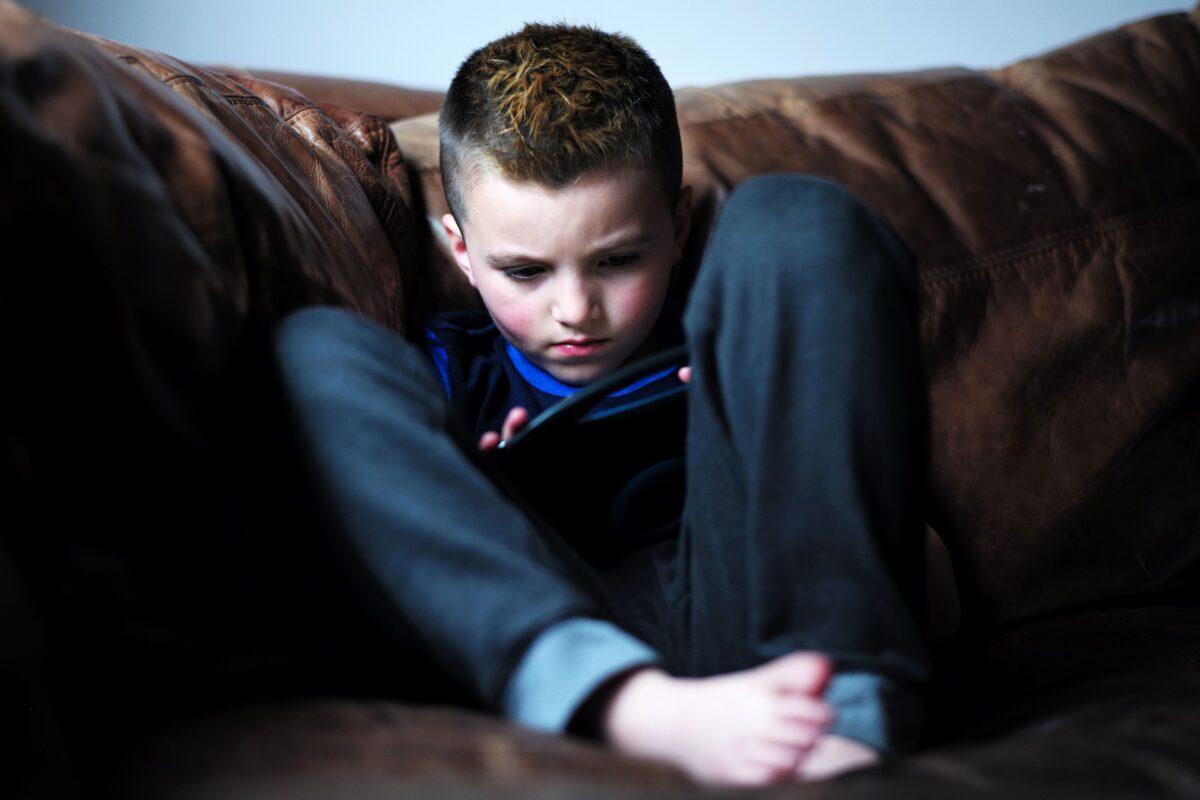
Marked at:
<point>574,305</point>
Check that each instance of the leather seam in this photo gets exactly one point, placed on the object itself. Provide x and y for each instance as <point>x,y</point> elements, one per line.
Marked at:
<point>180,77</point>
<point>848,99</point>
<point>1006,259</point>
<point>304,111</point>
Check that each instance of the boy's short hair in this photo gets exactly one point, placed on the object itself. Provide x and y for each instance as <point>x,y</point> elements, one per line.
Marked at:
<point>551,102</point>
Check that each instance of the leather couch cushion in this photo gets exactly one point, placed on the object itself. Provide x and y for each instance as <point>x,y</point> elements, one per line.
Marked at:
<point>201,207</point>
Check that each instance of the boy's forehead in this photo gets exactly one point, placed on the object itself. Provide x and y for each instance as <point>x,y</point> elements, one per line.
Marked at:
<point>596,204</point>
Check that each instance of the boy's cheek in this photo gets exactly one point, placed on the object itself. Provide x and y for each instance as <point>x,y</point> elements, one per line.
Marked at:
<point>517,325</point>
<point>639,302</point>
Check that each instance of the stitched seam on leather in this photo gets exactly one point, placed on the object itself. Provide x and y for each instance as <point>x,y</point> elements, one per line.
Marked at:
<point>1008,258</point>
<point>858,97</point>
<point>242,100</point>
<point>362,122</point>
<point>304,111</point>
<point>180,77</point>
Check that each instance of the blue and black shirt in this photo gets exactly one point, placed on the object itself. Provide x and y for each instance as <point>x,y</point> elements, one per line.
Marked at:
<point>485,376</point>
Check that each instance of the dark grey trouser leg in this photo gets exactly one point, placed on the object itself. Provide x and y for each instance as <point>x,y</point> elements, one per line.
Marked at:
<point>808,452</point>
<point>455,566</point>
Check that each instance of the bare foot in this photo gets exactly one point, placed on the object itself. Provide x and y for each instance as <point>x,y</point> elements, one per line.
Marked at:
<point>832,755</point>
<point>747,728</point>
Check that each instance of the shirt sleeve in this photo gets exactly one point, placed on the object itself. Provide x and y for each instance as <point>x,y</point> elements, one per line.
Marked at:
<point>566,663</point>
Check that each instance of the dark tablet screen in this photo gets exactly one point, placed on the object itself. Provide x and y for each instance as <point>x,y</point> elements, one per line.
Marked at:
<point>607,480</point>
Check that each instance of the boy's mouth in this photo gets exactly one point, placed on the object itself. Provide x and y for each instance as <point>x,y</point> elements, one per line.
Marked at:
<point>581,347</point>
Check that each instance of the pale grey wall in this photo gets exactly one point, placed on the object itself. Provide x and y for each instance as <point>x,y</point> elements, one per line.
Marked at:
<point>695,43</point>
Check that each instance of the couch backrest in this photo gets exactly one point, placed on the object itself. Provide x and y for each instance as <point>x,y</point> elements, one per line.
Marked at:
<point>206,203</point>
<point>1054,205</point>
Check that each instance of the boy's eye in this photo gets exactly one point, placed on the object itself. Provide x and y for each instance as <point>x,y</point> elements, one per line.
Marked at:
<point>522,273</point>
<point>625,260</point>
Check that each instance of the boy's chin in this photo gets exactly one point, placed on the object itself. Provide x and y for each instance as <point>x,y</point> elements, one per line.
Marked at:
<point>580,375</point>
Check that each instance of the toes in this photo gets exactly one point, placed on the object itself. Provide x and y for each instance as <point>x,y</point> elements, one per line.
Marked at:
<point>797,735</point>
<point>802,671</point>
<point>803,708</point>
<point>773,754</point>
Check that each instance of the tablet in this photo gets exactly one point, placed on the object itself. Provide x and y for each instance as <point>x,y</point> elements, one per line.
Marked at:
<point>572,409</point>
<point>611,481</point>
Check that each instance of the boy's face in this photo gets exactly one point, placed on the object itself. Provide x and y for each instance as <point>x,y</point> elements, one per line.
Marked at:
<point>591,260</point>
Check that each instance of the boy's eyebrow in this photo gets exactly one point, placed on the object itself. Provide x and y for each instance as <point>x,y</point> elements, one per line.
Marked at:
<point>507,260</point>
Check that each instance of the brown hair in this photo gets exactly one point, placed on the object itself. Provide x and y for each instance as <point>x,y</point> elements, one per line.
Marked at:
<point>551,102</point>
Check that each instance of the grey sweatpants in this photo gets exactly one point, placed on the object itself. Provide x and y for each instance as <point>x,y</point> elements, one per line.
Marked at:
<point>807,464</point>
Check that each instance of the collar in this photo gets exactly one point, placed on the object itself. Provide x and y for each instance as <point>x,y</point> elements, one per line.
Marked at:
<point>545,382</point>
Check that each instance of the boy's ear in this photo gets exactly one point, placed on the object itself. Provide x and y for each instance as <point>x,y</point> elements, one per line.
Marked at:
<point>458,246</point>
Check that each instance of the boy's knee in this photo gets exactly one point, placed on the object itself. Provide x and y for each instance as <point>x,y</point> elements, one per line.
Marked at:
<point>798,231</point>
<point>797,197</point>
<point>329,347</point>
<point>309,334</point>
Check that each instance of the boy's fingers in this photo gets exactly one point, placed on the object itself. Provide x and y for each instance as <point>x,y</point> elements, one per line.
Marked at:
<point>515,420</point>
<point>685,373</point>
<point>489,440</point>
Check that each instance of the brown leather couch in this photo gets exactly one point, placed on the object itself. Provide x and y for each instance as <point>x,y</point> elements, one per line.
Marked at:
<point>168,625</point>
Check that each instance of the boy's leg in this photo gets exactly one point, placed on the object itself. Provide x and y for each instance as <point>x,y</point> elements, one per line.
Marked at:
<point>453,564</point>
<point>807,453</point>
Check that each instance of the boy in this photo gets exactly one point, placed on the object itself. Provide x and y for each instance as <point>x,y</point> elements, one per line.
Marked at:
<point>779,634</point>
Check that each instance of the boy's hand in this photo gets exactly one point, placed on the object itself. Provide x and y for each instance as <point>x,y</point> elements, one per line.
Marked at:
<point>516,419</point>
